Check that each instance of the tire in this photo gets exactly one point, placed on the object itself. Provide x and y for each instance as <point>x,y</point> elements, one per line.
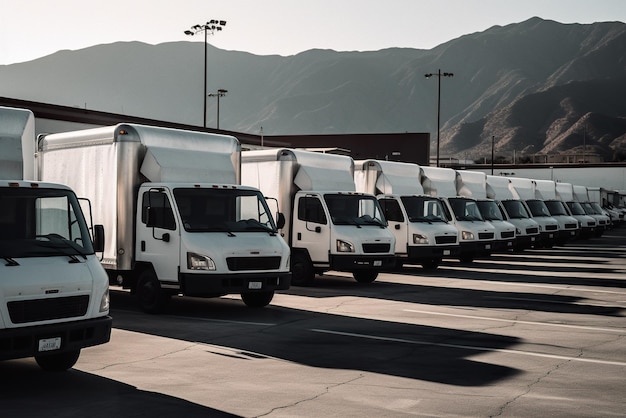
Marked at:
<point>431,264</point>
<point>257,299</point>
<point>302,273</point>
<point>59,362</point>
<point>365,276</point>
<point>151,298</point>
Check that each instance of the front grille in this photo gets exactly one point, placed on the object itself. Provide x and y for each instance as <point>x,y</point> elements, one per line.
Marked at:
<point>531,231</point>
<point>552,227</point>
<point>571,226</point>
<point>23,311</point>
<point>252,263</point>
<point>376,248</point>
<point>485,235</point>
<point>508,234</point>
<point>446,239</point>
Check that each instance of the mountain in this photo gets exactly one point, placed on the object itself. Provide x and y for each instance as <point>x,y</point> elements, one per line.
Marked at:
<point>534,87</point>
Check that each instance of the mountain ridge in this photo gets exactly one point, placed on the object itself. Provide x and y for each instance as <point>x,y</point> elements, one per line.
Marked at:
<point>531,85</point>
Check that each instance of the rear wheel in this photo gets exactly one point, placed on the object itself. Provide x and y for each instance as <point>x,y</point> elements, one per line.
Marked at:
<point>152,299</point>
<point>365,276</point>
<point>257,299</point>
<point>58,362</point>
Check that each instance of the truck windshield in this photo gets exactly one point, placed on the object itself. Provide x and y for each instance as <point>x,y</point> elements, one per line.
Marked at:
<point>354,209</point>
<point>556,208</point>
<point>576,208</point>
<point>490,211</point>
<point>223,210</point>
<point>515,209</point>
<point>538,208</point>
<point>38,222</point>
<point>465,209</point>
<point>424,209</point>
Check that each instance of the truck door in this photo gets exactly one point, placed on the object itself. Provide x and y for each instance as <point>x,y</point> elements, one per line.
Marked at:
<point>311,229</point>
<point>397,224</point>
<point>158,237</point>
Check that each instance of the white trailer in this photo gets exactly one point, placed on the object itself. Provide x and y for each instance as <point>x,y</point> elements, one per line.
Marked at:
<point>177,218</point>
<point>54,297</point>
<point>588,224</point>
<point>581,195</point>
<point>549,227</point>
<point>329,226</point>
<point>569,227</point>
<point>473,184</point>
<point>421,225</point>
<point>477,236</point>
<point>513,209</point>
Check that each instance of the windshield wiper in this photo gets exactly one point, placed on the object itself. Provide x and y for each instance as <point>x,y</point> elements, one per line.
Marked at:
<point>58,242</point>
<point>10,262</point>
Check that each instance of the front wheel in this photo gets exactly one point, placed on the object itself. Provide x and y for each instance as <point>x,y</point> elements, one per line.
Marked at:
<point>152,299</point>
<point>257,299</point>
<point>302,273</point>
<point>431,264</point>
<point>365,276</point>
<point>58,362</point>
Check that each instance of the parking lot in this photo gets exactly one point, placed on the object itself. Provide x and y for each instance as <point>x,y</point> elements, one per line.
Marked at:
<point>538,333</point>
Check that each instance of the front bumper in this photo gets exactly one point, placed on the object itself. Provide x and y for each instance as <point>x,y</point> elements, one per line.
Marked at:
<point>362,262</point>
<point>211,285</point>
<point>24,342</point>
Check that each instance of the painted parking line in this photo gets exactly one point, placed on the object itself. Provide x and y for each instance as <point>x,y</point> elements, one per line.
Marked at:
<point>515,321</point>
<point>474,348</point>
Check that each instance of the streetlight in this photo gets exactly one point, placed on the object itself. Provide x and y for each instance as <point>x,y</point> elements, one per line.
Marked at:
<point>211,27</point>
<point>439,74</point>
<point>220,93</point>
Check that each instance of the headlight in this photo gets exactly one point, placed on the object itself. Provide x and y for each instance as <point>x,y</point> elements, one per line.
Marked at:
<point>420,239</point>
<point>344,247</point>
<point>467,236</point>
<point>105,301</point>
<point>199,262</point>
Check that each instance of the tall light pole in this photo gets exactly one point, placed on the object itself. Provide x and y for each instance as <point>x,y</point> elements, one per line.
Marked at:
<point>209,27</point>
<point>220,93</point>
<point>439,74</point>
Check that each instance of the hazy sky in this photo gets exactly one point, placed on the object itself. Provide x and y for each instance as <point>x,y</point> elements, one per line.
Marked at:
<point>31,29</point>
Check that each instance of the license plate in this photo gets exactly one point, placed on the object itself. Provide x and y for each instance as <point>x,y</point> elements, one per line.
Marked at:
<point>551,235</point>
<point>446,252</point>
<point>255,285</point>
<point>378,263</point>
<point>532,239</point>
<point>50,344</point>
<point>509,244</point>
<point>487,246</point>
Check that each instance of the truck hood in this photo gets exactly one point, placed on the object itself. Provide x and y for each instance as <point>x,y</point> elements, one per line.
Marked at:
<point>240,244</point>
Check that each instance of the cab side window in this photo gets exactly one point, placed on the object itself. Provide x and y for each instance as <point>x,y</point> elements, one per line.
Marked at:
<point>310,209</point>
<point>391,210</point>
<point>156,211</point>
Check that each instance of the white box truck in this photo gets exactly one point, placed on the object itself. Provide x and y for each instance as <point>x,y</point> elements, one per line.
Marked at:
<point>514,211</point>
<point>569,227</point>
<point>177,219</point>
<point>329,226</point>
<point>421,225</point>
<point>54,297</point>
<point>477,236</point>
<point>474,184</point>
<point>549,227</point>
<point>581,195</point>
<point>588,224</point>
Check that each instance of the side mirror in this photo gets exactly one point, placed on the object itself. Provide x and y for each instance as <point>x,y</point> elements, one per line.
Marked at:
<point>397,226</point>
<point>280,220</point>
<point>98,238</point>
